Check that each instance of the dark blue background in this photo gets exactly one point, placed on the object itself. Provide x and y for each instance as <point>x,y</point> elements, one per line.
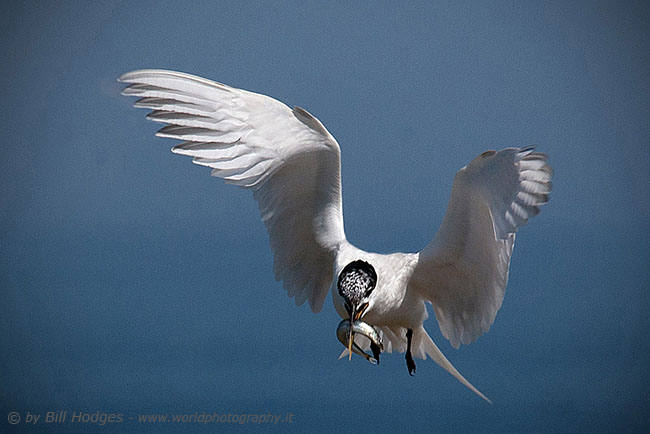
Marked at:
<point>134,283</point>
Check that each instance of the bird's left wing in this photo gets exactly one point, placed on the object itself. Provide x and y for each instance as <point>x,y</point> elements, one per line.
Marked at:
<point>463,271</point>
<point>286,157</point>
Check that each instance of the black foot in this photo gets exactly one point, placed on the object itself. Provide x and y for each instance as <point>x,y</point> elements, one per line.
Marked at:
<point>410,363</point>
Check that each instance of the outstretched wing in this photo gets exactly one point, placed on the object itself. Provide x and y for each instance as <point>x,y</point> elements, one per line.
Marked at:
<point>463,271</point>
<point>286,157</point>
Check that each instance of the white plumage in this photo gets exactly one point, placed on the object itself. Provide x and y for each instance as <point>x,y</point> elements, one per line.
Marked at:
<point>292,165</point>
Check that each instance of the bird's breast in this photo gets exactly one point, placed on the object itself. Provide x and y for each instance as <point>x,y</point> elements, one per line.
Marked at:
<point>390,302</point>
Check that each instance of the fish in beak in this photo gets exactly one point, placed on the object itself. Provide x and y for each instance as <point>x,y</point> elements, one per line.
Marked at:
<point>346,329</point>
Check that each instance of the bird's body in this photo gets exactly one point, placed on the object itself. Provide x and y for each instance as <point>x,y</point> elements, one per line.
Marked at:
<point>291,163</point>
<point>392,305</point>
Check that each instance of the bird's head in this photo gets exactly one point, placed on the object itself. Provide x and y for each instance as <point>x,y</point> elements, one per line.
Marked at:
<point>356,282</point>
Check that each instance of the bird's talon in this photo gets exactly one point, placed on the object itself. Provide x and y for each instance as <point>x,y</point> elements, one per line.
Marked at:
<point>410,364</point>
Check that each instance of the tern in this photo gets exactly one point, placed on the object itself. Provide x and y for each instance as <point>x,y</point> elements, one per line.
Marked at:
<point>292,166</point>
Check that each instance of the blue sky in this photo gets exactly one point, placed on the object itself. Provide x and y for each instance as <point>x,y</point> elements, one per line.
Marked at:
<point>132,282</point>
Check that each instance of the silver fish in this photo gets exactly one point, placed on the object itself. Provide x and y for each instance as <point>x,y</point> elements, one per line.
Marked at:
<point>364,329</point>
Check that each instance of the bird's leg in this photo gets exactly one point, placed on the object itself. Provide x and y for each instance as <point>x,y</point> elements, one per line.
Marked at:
<point>410,363</point>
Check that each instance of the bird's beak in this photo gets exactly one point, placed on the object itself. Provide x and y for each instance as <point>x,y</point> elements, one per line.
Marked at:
<point>353,313</point>
<point>358,313</point>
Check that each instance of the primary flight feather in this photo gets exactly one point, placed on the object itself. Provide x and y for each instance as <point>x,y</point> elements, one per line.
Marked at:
<point>292,165</point>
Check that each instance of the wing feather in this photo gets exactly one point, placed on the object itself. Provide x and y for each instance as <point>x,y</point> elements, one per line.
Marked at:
<point>285,156</point>
<point>463,271</point>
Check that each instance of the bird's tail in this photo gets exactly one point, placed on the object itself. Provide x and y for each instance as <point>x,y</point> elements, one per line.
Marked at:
<point>432,350</point>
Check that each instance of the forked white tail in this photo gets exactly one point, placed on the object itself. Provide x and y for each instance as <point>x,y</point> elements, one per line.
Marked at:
<point>421,337</point>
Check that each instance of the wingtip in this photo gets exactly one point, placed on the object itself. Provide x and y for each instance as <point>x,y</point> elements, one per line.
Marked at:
<point>127,76</point>
<point>132,76</point>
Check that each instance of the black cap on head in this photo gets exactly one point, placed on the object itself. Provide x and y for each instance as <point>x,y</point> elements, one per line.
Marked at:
<point>357,280</point>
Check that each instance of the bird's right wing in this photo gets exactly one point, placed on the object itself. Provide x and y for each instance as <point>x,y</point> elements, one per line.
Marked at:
<point>286,157</point>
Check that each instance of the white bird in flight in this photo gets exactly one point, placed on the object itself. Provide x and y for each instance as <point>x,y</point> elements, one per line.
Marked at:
<point>292,165</point>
